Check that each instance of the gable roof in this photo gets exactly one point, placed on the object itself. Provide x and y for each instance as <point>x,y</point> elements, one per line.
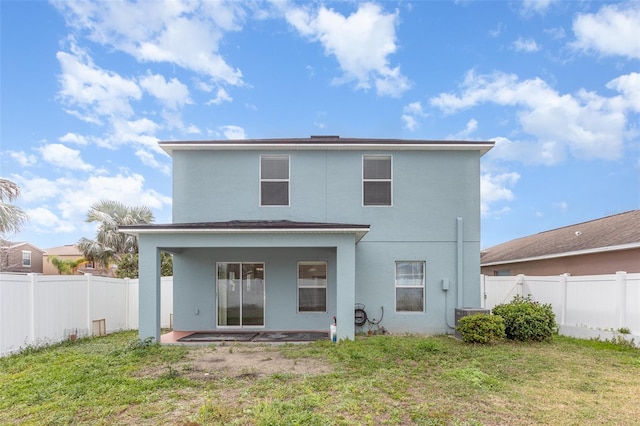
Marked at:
<point>616,232</point>
<point>14,245</point>
<point>328,143</point>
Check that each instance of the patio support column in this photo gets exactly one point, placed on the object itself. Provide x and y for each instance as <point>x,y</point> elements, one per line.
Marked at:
<point>148,290</point>
<point>346,287</point>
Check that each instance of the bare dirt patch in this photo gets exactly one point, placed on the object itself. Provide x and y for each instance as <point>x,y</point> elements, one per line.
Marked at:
<point>239,361</point>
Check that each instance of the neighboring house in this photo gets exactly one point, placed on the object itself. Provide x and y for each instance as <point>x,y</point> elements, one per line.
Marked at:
<point>285,234</point>
<point>66,252</point>
<point>20,257</point>
<point>601,246</point>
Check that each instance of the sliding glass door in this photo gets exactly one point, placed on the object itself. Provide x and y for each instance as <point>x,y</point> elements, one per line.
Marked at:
<point>240,290</point>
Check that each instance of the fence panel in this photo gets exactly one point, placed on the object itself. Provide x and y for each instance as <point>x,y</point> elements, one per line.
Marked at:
<point>109,301</point>
<point>593,302</point>
<point>602,304</point>
<point>15,325</point>
<point>60,306</point>
<point>498,290</point>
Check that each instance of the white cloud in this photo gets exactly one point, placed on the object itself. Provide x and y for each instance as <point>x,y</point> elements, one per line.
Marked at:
<point>95,91</point>
<point>535,6</point>
<point>629,86</point>
<point>556,33</point>
<point>495,188</point>
<point>24,159</point>
<point>63,157</point>
<point>471,127</point>
<point>150,160</point>
<point>73,197</point>
<point>612,31</point>
<point>525,45</point>
<point>360,42</point>
<point>586,124</point>
<point>172,94</point>
<point>221,96</point>
<point>186,34</point>
<point>42,219</point>
<point>73,138</point>
<point>412,114</point>
<point>562,206</point>
<point>233,132</point>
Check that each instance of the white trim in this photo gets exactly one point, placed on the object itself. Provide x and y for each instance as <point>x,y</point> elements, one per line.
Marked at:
<point>360,232</point>
<point>483,147</point>
<point>567,254</point>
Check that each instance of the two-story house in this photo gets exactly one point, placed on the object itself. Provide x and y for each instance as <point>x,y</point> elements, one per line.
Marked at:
<point>285,234</point>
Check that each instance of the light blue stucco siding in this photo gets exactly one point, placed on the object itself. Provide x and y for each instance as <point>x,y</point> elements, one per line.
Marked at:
<point>434,218</point>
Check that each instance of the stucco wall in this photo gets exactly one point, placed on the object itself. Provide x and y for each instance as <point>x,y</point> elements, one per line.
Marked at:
<point>430,190</point>
<point>588,264</point>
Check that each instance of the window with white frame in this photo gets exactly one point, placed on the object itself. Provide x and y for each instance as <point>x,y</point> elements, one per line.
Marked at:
<point>312,286</point>
<point>376,180</point>
<point>26,259</point>
<point>274,180</point>
<point>410,278</point>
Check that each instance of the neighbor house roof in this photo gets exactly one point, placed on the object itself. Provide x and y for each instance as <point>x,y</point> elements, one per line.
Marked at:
<point>327,143</point>
<point>15,245</point>
<point>66,250</point>
<point>249,226</point>
<point>616,232</point>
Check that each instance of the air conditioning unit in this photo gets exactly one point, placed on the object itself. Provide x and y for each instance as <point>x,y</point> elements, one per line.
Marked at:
<point>463,312</point>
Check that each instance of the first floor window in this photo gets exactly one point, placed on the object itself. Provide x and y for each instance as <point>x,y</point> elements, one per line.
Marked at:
<point>410,286</point>
<point>26,259</point>
<point>312,286</point>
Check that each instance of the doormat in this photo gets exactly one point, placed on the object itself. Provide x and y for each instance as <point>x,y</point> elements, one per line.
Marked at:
<point>263,337</point>
<point>218,337</point>
<point>291,336</point>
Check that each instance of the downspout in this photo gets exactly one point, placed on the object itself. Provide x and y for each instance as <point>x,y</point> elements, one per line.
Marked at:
<point>459,263</point>
<point>459,274</point>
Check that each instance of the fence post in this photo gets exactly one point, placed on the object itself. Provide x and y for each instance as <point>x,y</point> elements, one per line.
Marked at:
<point>564,285</point>
<point>89,325</point>
<point>32,307</point>
<point>127,284</point>
<point>483,289</point>
<point>621,280</point>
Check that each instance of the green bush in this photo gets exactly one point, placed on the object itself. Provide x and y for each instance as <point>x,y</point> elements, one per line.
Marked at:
<point>527,320</point>
<point>481,328</point>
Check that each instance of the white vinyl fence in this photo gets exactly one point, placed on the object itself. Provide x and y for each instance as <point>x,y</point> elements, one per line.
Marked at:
<point>43,309</point>
<point>591,306</point>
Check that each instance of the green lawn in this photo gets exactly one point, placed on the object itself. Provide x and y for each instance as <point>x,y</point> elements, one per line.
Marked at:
<point>373,380</point>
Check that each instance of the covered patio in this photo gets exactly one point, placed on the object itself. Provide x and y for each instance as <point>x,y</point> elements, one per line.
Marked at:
<point>199,249</point>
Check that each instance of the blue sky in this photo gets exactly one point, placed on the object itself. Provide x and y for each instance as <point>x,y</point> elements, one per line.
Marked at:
<point>88,89</point>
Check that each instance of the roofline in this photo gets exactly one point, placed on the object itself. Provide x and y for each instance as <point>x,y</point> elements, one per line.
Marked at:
<point>620,247</point>
<point>360,232</point>
<point>327,144</point>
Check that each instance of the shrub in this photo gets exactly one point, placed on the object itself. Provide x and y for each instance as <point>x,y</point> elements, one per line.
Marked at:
<point>481,328</point>
<point>527,320</point>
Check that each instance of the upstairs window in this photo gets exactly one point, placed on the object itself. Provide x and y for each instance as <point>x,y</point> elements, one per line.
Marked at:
<point>410,286</point>
<point>274,180</point>
<point>26,259</point>
<point>376,180</point>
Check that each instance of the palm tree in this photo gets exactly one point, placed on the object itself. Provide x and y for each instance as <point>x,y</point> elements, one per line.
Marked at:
<point>11,217</point>
<point>110,245</point>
